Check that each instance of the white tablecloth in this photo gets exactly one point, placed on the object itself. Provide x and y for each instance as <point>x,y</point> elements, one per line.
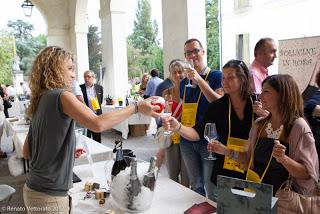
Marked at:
<point>98,151</point>
<point>168,196</point>
<point>18,130</point>
<point>17,108</point>
<point>123,127</point>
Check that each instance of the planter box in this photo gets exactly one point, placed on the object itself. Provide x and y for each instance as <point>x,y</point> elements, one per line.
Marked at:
<point>138,130</point>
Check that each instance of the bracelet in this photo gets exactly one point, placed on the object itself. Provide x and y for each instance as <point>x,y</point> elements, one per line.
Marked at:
<point>136,108</point>
<point>178,129</point>
<point>233,155</point>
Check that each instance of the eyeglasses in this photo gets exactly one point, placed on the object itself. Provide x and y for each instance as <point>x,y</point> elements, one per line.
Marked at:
<point>87,76</point>
<point>194,51</point>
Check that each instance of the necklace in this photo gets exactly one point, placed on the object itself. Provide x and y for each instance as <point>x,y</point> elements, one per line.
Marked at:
<point>274,134</point>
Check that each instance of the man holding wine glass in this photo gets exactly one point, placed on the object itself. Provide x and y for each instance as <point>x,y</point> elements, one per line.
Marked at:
<point>206,88</point>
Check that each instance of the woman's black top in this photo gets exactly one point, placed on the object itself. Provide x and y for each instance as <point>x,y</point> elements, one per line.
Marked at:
<point>276,173</point>
<point>217,113</point>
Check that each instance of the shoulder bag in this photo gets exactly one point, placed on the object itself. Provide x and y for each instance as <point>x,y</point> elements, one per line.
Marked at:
<point>291,202</point>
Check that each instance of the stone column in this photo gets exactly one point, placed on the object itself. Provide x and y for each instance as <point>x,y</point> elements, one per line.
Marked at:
<point>80,50</point>
<point>114,47</point>
<point>181,20</point>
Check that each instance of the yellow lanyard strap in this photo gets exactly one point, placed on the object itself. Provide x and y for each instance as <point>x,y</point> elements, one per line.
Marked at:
<point>229,117</point>
<point>251,158</point>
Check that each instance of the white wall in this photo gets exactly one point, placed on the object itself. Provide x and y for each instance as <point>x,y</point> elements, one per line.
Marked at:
<point>278,19</point>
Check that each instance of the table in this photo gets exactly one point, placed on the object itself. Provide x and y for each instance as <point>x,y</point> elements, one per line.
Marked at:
<point>17,108</point>
<point>134,119</point>
<point>18,130</point>
<point>168,195</point>
<point>98,151</point>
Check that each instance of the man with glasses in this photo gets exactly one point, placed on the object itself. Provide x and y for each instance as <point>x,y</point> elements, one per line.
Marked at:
<point>206,88</point>
<point>264,55</point>
<point>92,96</point>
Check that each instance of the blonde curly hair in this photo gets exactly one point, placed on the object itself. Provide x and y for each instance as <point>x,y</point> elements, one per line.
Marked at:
<point>47,74</point>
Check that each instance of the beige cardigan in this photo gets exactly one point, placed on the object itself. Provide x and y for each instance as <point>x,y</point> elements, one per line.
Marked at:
<point>301,149</point>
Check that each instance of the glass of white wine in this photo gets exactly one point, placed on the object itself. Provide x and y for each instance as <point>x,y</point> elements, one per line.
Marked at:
<point>210,133</point>
<point>189,65</point>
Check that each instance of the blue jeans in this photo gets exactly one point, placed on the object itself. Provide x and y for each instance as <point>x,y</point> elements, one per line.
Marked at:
<point>199,170</point>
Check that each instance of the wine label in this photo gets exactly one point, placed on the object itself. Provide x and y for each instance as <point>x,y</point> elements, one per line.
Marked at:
<point>88,186</point>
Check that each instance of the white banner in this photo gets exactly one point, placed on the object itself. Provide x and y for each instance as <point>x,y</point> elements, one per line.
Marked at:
<point>298,57</point>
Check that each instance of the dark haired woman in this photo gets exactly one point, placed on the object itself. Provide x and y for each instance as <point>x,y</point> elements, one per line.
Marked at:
<point>282,143</point>
<point>233,115</point>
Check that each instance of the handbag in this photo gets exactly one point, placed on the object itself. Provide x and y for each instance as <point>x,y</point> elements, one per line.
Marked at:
<point>163,141</point>
<point>291,202</point>
<point>6,103</point>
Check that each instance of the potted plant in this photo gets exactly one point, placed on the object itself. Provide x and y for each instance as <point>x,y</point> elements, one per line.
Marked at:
<point>109,100</point>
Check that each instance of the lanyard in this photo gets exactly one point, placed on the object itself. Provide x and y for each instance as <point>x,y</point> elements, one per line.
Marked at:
<point>251,158</point>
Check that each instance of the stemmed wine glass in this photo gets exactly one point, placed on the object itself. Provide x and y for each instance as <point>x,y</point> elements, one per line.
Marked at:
<point>210,133</point>
<point>189,65</point>
<point>167,111</point>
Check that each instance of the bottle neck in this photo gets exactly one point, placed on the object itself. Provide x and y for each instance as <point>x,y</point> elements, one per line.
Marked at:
<point>152,165</point>
<point>119,155</point>
<point>133,173</point>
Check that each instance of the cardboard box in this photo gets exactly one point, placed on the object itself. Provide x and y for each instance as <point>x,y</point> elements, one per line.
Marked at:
<point>138,130</point>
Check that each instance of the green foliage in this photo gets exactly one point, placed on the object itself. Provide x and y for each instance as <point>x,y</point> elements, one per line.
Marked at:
<point>20,29</point>
<point>134,61</point>
<point>94,49</point>
<point>144,52</point>
<point>145,32</point>
<point>212,25</point>
<point>27,45</point>
<point>6,59</point>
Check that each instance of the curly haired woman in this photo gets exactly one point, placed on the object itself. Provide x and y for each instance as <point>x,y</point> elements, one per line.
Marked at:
<point>50,144</point>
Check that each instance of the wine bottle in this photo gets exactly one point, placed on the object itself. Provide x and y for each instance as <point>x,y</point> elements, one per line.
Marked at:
<point>127,101</point>
<point>134,186</point>
<point>149,179</point>
<point>119,164</point>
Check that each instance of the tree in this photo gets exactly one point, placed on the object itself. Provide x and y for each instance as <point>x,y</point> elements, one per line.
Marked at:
<point>27,45</point>
<point>144,52</point>
<point>20,29</point>
<point>94,49</point>
<point>145,32</point>
<point>6,59</point>
<point>212,25</point>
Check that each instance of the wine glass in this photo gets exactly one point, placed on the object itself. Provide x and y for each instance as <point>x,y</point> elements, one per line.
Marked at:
<point>189,65</point>
<point>167,111</point>
<point>210,133</point>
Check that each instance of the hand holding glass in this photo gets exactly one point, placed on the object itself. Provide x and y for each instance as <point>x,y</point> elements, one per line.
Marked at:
<point>167,111</point>
<point>210,133</point>
<point>189,65</point>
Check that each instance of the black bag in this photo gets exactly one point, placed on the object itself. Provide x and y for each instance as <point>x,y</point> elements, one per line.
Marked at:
<point>7,104</point>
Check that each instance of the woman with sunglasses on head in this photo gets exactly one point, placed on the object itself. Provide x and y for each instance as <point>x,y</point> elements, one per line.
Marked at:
<point>282,143</point>
<point>50,143</point>
<point>233,115</point>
